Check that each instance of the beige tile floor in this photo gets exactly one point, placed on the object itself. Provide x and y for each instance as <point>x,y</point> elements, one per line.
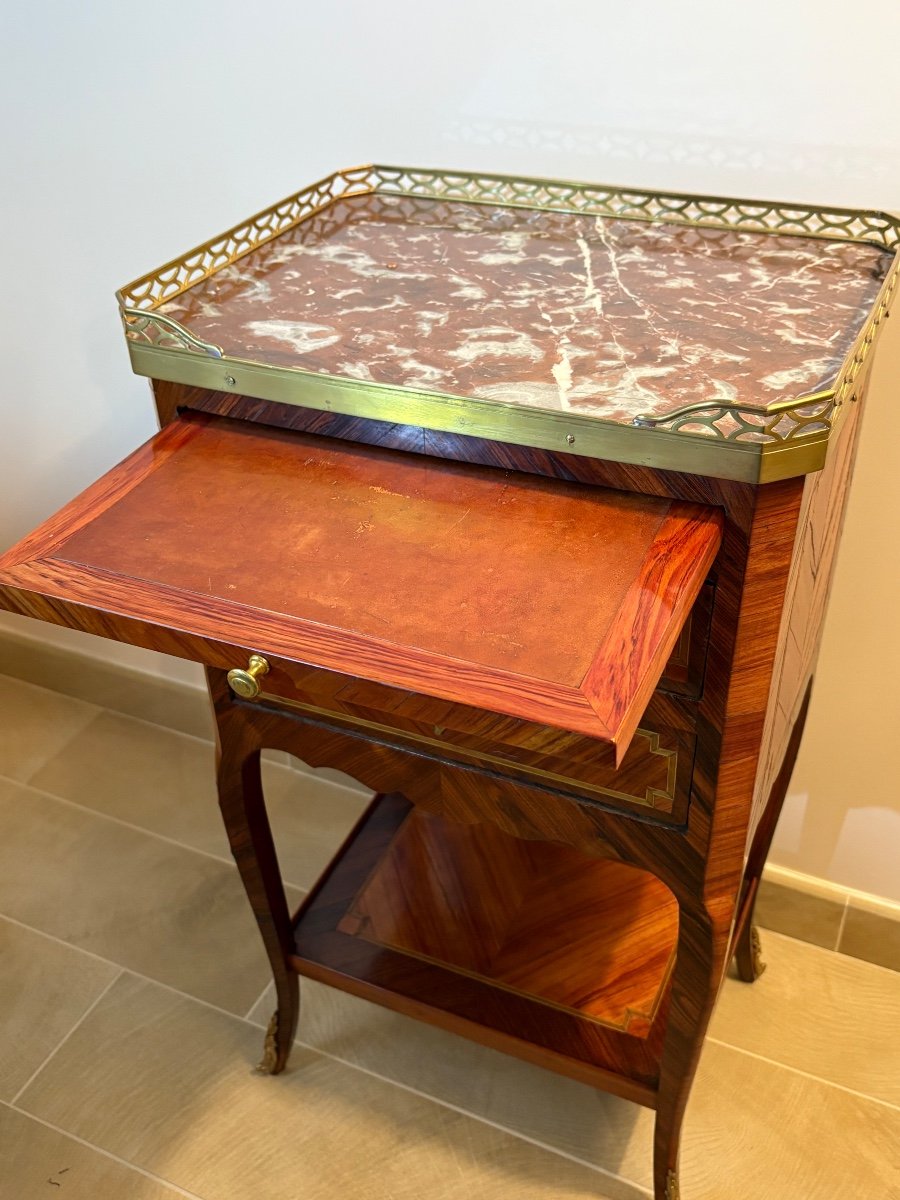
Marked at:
<point>132,991</point>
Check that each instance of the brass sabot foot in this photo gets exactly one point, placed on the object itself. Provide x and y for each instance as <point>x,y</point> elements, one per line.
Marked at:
<point>756,953</point>
<point>269,1062</point>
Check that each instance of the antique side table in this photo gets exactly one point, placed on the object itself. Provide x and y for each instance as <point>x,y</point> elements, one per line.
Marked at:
<point>517,501</point>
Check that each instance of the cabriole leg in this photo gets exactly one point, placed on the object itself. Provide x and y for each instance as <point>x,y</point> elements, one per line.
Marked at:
<point>247,824</point>
<point>747,951</point>
<point>702,950</point>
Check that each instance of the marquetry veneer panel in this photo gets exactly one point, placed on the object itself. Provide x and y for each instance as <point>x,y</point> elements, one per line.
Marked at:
<point>532,940</point>
<point>653,777</point>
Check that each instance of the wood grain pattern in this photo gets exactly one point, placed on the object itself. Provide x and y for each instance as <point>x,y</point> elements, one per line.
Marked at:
<point>746,956</point>
<point>720,808</point>
<point>521,806</point>
<point>588,935</point>
<point>812,570</point>
<point>819,524</point>
<point>736,499</point>
<point>654,776</point>
<point>619,680</point>
<point>503,591</point>
<point>241,801</point>
<point>334,945</point>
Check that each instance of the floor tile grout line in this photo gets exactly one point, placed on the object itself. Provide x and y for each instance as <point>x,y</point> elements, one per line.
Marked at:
<point>392,1082</point>
<point>472,1116</point>
<point>59,1045</point>
<point>386,1079</point>
<point>118,712</point>
<point>80,728</point>
<point>20,680</point>
<point>167,1183</point>
<point>211,741</point>
<point>847,958</point>
<point>125,970</point>
<point>402,1086</point>
<point>229,862</point>
<point>554,1149</point>
<point>195,737</point>
<point>15,682</point>
<point>258,999</point>
<point>346,1062</point>
<point>303,1045</point>
<point>303,770</point>
<point>95,812</point>
<point>13,1104</point>
<point>415,1091</point>
<point>355,1066</point>
<point>772,1062</point>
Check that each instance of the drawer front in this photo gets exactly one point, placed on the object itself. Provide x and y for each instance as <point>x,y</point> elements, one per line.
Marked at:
<point>653,779</point>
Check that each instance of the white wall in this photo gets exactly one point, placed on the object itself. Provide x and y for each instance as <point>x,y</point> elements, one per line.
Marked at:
<point>133,132</point>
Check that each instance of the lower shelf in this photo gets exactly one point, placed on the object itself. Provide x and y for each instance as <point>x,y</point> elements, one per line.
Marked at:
<point>531,947</point>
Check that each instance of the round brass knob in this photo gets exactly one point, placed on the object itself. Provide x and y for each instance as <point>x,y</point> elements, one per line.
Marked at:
<point>246,683</point>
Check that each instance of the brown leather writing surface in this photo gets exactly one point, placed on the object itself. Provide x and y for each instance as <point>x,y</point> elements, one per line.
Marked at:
<point>555,602</point>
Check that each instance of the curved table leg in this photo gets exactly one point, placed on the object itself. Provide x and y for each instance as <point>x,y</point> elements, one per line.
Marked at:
<point>747,951</point>
<point>701,954</point>
<point>247,824</point>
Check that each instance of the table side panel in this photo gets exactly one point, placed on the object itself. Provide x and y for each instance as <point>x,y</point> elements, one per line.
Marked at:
<point>812,571</point>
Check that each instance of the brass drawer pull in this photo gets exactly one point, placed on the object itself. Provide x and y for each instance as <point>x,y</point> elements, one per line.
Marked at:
<point>246,683</point>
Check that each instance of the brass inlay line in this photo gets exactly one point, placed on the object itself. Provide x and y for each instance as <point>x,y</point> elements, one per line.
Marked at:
<point>471,973</point>
<point>786,439</point>
<point>360,920</point>
<point>649,799</point>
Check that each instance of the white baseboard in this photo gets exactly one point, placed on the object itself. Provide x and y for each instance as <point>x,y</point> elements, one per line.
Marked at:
<point>814,885</point>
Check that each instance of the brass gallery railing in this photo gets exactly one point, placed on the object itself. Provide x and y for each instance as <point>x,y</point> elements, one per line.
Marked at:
<point>717,437</point>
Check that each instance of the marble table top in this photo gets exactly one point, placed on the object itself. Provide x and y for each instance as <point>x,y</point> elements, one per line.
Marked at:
<point>558,311</point>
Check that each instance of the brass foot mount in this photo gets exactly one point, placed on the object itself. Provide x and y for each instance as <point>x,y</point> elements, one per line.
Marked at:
<point>756,953</point>
<point>268,1064</point>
